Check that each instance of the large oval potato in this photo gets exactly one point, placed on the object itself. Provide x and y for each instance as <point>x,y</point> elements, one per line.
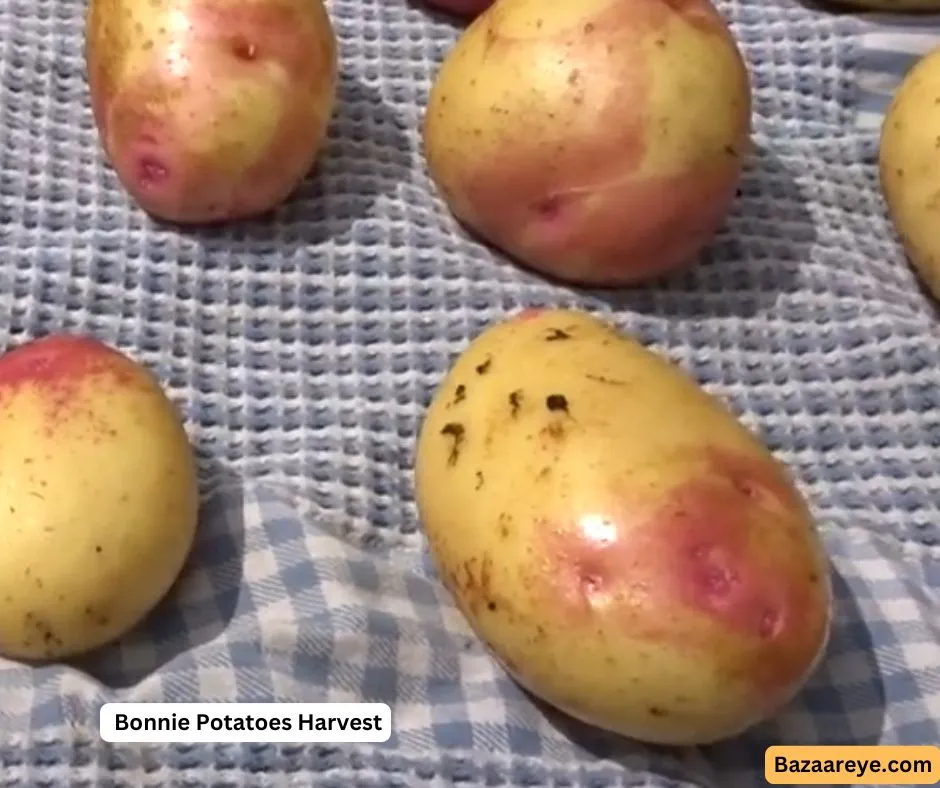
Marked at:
<point>909,166</point>
<point>629,551</point>
<point>98,496</point>
<point>597,141</point>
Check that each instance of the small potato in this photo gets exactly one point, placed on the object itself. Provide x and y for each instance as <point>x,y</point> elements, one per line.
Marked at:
<point>210,110</point>
<point>596,141</point>
<point>909,166</point>
<point>628,550</point>
<point>98,496</point>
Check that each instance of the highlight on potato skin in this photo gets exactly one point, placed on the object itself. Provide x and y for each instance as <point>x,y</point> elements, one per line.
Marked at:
<point>598,142</point>
<point>581,494</point>
<point>210,110</point>
<point>909,170</point>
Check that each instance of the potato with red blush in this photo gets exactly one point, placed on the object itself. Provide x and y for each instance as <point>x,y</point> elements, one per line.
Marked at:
<point>598,142</point>
<point>210,110</point>
<point>625,546</point>
<point>99,496</point>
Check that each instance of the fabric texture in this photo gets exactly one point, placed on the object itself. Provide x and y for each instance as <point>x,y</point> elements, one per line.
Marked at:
<point>304,349</point>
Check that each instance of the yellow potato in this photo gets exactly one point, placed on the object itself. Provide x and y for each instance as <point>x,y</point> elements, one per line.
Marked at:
<point>909,166</point>
<point>596,141</point>
<point>98,496</point>
<point>630,552</point>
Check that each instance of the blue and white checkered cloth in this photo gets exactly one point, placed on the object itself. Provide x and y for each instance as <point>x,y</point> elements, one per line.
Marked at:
<point>304,350</point>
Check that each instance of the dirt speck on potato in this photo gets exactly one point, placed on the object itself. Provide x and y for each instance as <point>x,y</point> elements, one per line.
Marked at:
<point>475,588</point>
<point>39,629</point>
<point>605,380</point>
<point>557,403</point>
<point>455,432</point>
<point>515,402</point>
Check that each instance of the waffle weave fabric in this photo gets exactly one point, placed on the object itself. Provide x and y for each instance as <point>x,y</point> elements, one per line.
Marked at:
<point>303,351</point>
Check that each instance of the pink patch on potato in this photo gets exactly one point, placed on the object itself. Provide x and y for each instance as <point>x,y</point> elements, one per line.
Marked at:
<point>56,365</point>
<point>529,313</point>
<point>720,561</point>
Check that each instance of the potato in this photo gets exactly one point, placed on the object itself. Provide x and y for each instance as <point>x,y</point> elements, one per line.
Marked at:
<point>98,496</point>
<point>628,550</point>
<point>909,167</point>
<point>210,110</point>
<point>596,142</point>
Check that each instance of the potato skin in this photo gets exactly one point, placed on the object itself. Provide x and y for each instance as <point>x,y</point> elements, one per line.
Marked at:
<point>98,497</point>
<point>909,169</point>
<point>466,8</point>
<point>596,141</point>
<point>627,549</point>
<point>210,110</point>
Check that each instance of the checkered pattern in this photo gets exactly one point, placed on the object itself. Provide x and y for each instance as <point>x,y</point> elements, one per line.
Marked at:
<point>303,352</point>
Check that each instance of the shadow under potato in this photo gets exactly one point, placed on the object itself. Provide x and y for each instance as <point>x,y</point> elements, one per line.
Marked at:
<point>199,606</point>
<point>842,704</point>
<point>365,155</point>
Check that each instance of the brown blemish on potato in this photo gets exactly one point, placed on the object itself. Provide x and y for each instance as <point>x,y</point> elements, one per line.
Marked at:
<point>455,432</point>
<point>475,591</point>
<point>557,335</point>
<point>605,380</point>
<point>544,474</point>
<point>479,480</point>
<point>484,367</point>
<point>552,432</point>
<point>38,628</point>
<point>656,711</point>
<point>460,394</point>
<point>722,557</point>
<point>505,523</point>
<point>557,403</point>
<point>96,616</point>
<point>515,402</point>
